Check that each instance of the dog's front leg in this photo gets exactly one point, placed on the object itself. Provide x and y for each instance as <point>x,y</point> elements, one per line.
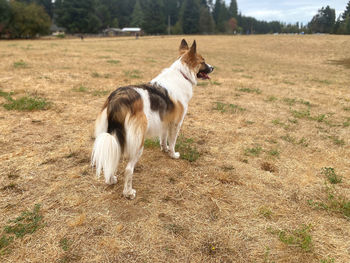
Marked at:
<point>174,129</point>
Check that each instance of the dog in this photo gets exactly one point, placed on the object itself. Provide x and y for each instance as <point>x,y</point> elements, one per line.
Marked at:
<point>132,113</point>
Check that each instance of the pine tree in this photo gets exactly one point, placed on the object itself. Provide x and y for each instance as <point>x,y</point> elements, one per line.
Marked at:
<point>137,15</point>
<point>154,20</point>
<point>346,12</point>
<point>5,14</point>
<point>190,17</point>
<point>77,16</point>
<point>323,21</point>
<point>233,9</point>
<point>220,15</point>
<point>206,21</point>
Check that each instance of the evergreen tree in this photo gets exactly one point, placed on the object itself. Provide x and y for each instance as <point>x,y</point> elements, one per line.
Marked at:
<point>5,14</point>
<point>346,12</point>
<point>206,21</point>
<point>221,16</point>
<point>233,9</point>
<point>137,15</point>
<point>104,16</point>
<point>77,16</point>
<point>323,21</point>
<point>48,6</point>
<point>154,20</point>
<point>190,17</point>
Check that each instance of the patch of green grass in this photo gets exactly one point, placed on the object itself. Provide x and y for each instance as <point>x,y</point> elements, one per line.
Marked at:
<point>98,75</point>
<point>249,90</point>
<point>27,104</point>
<point>134,74</point>
<point>305,102</point>
<point>331,176</point>
<point>100,92</point>
<point>81,88</point>
<point>327,260</point>
<point>203,83</point>
<point>294,121</point>
<point>5,241</point>
<point>274,152</point>
<point>247,76</point>
<point>289,138</point>
<point>151,143</point>
<point>299,237</point>
<point>237,70</point>
<point>333,202</point>
<point>322,81</point>
<point>337,141</point>
<point>254,151</point>
<point>24,103</point>
<point>288,82</point>
<point>20,64</point>
<point>232,108</point>
<point>319,118</point>
<point>277,122</point>
<point>27,223</point>
<point>346,123</point>
<point>265,212</point>
<point>113,61</point>
<point>217,83</point>
<point>346,108</point>
<point>290,101</point>
<point>186,149</point>
<point>65,244</point>
<point>303,142</point>
<point>271,98</point>
<point>302,114</point>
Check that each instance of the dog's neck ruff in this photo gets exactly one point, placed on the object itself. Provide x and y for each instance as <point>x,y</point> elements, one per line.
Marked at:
<point>187,78</point>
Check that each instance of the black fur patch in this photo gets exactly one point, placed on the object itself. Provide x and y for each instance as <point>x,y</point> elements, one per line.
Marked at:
<point>159,98</point>
<point>120,98</point>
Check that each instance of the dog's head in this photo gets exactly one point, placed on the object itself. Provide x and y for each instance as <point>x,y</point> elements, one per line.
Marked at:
<point>194,61</point>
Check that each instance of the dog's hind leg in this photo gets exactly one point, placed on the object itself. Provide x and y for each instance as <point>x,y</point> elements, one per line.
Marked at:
<point>173,132</point>
<point>128,191</point>
<point>135,134</point>
<point>164,140</point>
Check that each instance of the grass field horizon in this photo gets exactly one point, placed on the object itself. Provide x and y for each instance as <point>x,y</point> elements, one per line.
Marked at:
<point>266,153</point>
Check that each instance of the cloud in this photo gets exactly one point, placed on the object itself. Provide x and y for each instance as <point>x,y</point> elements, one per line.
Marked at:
<point>287,11</point>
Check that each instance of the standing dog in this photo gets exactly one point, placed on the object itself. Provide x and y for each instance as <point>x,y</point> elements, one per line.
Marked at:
<point>156,109</point>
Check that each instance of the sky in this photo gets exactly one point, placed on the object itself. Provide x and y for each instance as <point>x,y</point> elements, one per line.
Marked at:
<point>289,11</point>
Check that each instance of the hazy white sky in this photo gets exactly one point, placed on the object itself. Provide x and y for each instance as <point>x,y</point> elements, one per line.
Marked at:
<point>290,11</point>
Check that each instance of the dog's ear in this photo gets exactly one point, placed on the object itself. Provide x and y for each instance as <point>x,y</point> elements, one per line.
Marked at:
<point>183,47</point>
<point>193,48</point>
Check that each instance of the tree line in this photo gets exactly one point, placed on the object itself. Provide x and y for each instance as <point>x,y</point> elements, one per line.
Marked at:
<point>28,18</point>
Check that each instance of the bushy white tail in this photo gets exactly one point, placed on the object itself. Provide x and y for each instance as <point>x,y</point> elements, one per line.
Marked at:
<point>105,156</point>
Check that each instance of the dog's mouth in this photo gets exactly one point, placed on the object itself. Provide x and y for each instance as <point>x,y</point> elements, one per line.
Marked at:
<point>202,75</point>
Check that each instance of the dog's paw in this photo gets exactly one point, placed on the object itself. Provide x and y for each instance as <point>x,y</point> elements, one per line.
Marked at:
<point>112,180</point>
<point>164,148</point>
<point>175,155</point>
<point>131,194</point>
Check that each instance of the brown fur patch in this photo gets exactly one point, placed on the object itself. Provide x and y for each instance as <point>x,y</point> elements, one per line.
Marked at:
<point>176,114</point>
<point>194,61</point>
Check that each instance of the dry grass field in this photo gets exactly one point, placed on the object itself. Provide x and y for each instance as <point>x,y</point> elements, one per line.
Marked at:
<point>266,173</point>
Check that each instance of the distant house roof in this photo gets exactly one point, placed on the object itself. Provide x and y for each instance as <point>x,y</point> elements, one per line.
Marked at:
<point>131,29</point>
